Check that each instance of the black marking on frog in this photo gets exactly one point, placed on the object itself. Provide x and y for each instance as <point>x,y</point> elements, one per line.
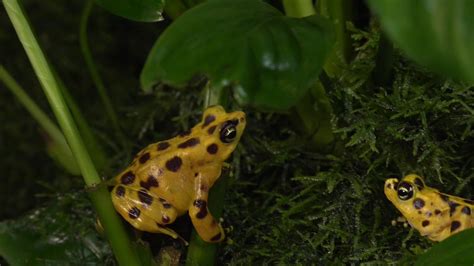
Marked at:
<point>216,237</point>
<point>174,164</point>
<point>425,223</point>
<point>207,120</point>
<point>212,149</point>
<point>437,212</point>
<point>211,130</point>
<point>418,203</point>
<point>162,146</point>
<point>165,219</point>
<point>134,213</point>
<point>455,225</point>
<point>151,182</point>
<point>185,133</point>
<point>166,205</point>
<point>419,184</point>
<point>389,186</point>
<point>189,143</point>
<point>466,210</point>
<point>120,191</point>
<point>144,158</point>
<point>452,207</point>
<point>127,178</point>
<point>444,197</point>
<point>144,197</point>
<point>202,205</point>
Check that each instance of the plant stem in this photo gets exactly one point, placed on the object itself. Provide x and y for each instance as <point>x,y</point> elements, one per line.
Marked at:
<point>199,251</point>
<point>99,84</point>
<point>114,230</point>
<point>57,140</point>
<point>382,72</point>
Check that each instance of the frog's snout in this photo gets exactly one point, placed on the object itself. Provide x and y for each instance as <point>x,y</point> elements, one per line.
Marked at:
<point>390,186</point>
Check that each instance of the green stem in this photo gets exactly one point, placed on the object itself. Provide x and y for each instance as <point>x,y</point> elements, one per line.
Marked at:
<point>57,144</point>
<point>114,230</point>
<point>99,84</point>
<point>298,8</point>
<point>47,124</point>
<point>199,251</point>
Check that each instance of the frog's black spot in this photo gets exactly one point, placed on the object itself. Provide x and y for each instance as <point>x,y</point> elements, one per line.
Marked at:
<point>242,119</point>
<point>469,201</point>
<point>207,120</point>
<point>444,197</point>
<point>144,158</point>
<point>466,210</point>
<point>389,186</point>
<point>150,182</point>
<point>163,146</point>
<point>134,213</point>
<point>216,237</point>
<point>165,219</point>
<point>185,133</point>
<point>144,197</point>
<point>174,164</point>
<point>166,205</point>
<point>128,178</point>
<point>455,225</point>
<point>211,130</point>
<point>419,183</point>
<point>418,203</point>
<point>437,212</point>
<point>425,223</point>
<point>161,200</point>
<point>419,212</point>
<point>189,143</point>
<point>452,207</point>
<point>196,174</point>
<point>212,149</point>
<point>120,191</point>
<point>202,205</point>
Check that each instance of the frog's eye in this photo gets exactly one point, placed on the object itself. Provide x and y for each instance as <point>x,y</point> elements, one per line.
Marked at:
<point>405,191</point>
<point>229,131</point>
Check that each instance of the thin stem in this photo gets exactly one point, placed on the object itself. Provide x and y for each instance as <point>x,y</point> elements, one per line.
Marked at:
<point>99,84</point>
<point>45,122</point>
<point>114,230</point>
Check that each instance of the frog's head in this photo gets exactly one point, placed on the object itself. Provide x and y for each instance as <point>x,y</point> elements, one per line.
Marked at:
<point>223,130</point>
<point>422,206</point>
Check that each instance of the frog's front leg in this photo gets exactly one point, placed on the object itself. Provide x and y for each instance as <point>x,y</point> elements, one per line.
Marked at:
<point>205,224</point>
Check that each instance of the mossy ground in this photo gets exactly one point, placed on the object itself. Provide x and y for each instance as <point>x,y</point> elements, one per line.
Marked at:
<point>286,203</point>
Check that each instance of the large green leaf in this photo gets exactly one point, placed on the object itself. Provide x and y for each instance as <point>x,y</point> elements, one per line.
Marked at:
<point>456,250</point>
<point>436,33</point>
<point>140,10</point>
<point>270,59</point>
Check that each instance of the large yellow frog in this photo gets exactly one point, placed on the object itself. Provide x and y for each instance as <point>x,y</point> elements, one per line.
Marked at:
<point>172,177</point>
<point>434,214</point>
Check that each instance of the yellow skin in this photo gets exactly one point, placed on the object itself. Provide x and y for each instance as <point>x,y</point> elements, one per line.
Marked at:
<point>434,214</point>
<point>172,177</point>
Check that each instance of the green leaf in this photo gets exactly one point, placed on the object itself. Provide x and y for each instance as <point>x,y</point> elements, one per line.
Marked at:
<point>436,33</point>
<point>456,250</point>
<point>139,10</point>
<point>270,59</point>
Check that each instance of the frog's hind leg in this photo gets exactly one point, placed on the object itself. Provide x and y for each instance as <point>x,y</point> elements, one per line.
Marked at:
<point>204,223</point>
<point>144,211</point>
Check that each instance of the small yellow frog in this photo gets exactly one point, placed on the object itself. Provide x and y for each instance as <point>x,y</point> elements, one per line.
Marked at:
<point>434,214</point>
<point>171,177</point>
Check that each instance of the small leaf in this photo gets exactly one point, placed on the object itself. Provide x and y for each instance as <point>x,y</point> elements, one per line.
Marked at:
<point>456,250</point>
<point>270,59</point>
<point>139,10</point>
<point>436,33</point>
